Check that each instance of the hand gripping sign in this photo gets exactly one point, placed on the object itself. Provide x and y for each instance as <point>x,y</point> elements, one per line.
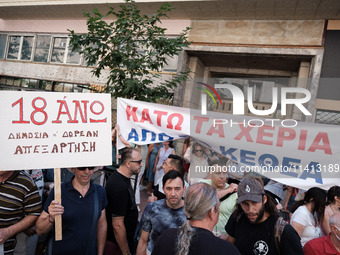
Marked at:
<point>54,130</point>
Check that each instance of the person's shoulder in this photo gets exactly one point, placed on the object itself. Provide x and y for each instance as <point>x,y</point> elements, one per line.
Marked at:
<point>225,245</point>
<point>290,239</point>
<point>156,204</point>
<point>23,175</point>
<point>160,202</point>
<point>116,181</point>
<point>300,214</point>
<point>165,243</point>
<point>169,232</point>
<point>316,241</point>
<point>218,245</point>
<point>24,180</point>
<point>98,187</point>
<point>315,245</point>
<point>207,181</point>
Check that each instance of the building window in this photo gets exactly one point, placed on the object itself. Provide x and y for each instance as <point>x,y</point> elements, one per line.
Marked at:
<point>59,48</point>
<point>17,83</point>
<point>62,52</point>
<point>171,65</point>
<point>13,47</point>
<point>3,42</point>
<point>327,117</point>
<point>20,47</point>
<point>73,57</point>
<point>42,48</point>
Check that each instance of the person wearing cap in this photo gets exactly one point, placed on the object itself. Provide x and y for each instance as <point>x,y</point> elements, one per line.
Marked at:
<point>253,226</point>
<point>83,215</point>
<point>329,244</point>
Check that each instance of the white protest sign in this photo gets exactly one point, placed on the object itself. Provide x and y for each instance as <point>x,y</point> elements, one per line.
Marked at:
<point>54,130</point>
<point>302,155</point>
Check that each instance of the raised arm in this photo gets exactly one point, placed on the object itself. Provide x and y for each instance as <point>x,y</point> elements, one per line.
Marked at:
<point>121,138</point>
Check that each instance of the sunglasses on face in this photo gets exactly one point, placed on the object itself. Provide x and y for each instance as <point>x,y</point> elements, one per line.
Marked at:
<point>199,150</point>
<point>84,168</point>
<point>137,161</point>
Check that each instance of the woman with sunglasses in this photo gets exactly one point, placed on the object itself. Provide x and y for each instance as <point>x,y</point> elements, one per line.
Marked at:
<point>198,164</point>
<point>82,208</point>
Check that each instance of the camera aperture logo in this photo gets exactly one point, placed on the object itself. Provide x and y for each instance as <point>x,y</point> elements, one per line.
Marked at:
<point>204,97</point>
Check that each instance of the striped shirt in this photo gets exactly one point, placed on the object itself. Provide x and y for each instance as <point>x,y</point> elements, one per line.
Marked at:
<point>19,197</point>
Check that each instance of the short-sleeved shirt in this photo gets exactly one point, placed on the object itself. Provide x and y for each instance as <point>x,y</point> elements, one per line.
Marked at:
<point>77,218</point>
<point>259,238</point>
<point>19,197</point>
<point>158,217</point>
<point>202,243</point>
<point>121,202</point>
<point>227,207</point>
<point>320,246</point>
<point>304,217</point>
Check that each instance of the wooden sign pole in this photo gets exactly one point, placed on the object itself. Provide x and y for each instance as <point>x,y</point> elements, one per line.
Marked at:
<point>57,197</point>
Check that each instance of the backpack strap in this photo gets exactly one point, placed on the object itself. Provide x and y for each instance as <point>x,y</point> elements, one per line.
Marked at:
<point>278,229</point>
<point>94,220</point>
<point>226,196</point>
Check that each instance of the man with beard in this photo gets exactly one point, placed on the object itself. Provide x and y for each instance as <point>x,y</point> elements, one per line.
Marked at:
<point>255,227</point>
<point>122,212</point>
<point>163,214</point>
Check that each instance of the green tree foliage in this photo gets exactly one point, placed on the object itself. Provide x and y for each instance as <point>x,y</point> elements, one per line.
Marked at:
<point>134,48</point>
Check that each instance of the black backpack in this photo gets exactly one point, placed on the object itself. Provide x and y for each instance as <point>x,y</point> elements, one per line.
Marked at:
<point>278,229</point>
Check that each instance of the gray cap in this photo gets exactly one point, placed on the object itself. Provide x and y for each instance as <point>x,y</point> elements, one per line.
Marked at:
<point>250,189</point>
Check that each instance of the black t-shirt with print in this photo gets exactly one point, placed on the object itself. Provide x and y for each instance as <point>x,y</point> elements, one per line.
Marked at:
<point>259,239</point>
<point>202,243</point>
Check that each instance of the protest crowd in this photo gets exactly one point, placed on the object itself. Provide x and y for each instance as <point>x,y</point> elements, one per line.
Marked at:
<point>188,212</point>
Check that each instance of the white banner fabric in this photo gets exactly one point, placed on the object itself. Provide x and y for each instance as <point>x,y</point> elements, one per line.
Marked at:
<point>301,155</point>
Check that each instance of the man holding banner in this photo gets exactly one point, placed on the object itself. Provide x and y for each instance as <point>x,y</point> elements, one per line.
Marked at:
<point>83,215</point>
<point>20,205</point>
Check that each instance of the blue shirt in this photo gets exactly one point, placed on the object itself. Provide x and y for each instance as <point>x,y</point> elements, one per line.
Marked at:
<point>158,217</point>
<point>77,219</point>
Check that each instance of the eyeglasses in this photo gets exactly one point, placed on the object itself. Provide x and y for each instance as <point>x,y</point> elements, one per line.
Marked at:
<point>84,168</point>
<point>137,161</point>
<point>338,228</point>
<point>199,150</point>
